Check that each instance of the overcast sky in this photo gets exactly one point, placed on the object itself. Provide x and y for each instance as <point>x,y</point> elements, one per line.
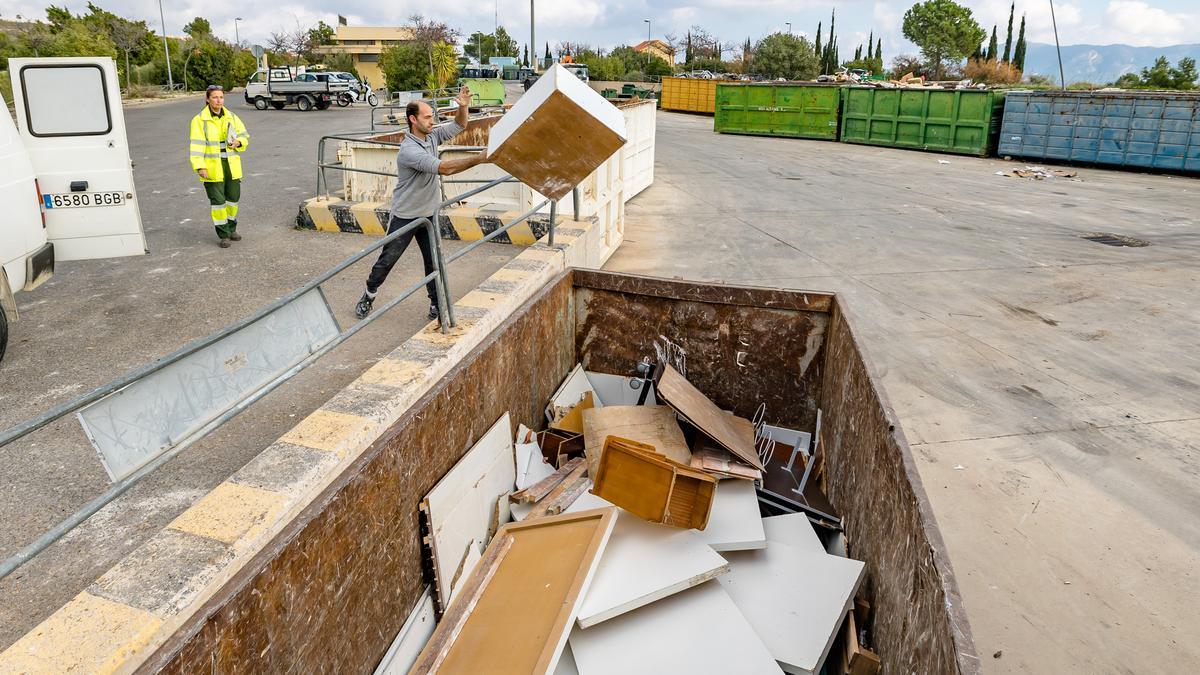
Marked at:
<point>1134,22</point>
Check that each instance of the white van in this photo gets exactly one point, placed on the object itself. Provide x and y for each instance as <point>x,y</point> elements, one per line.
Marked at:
<point>65,176</point>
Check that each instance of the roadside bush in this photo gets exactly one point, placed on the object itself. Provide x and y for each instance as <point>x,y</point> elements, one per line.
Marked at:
<point>1084,86</point>
<point>992,71</point>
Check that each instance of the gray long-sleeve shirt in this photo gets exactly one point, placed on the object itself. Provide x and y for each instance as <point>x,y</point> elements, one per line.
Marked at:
<point>416,194</point>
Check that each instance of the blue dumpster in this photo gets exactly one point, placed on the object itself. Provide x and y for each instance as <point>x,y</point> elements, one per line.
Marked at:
<point>1151,130</point>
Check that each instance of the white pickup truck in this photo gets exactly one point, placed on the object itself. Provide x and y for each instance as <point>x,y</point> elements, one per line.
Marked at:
<point>278,88</point>
<point>66,180</point>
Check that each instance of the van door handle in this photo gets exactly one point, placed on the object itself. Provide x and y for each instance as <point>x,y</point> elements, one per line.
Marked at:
<point>79,186</point>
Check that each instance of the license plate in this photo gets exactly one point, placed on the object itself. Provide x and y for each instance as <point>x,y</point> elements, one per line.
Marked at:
<point>75,200</point>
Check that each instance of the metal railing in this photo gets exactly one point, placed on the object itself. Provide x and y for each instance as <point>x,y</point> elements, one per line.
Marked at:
<point>439,276</point>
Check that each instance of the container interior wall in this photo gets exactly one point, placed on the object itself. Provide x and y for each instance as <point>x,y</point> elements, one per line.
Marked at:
<point>917,619</point>
<point>744,346</point>
<point>331,591</point>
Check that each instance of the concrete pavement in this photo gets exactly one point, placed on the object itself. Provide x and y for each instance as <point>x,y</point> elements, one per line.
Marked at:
<point>1049,385</point>
<point>96,320</point>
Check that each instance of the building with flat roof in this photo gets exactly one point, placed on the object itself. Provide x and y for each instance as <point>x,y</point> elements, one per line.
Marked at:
<point>364,44</point>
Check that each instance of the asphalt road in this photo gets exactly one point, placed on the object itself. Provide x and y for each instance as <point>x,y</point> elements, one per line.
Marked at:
<point>97,320</point>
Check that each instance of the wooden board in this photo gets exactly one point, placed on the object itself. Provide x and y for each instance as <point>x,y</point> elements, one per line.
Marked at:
<point>794,598</point>
<point>698,632</point>
<point>556,134</point>
<point>570,393</point>
<point>616,389</point>
<point>645,562</point>
<point>647,484</point>
<point>703,414</point>
<point>650,424</point>
<point>734,523</point>
<point>516,611</point>
<point>461,508</point>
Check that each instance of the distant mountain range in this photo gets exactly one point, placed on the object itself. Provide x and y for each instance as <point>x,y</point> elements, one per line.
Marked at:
<point>1100,64</point>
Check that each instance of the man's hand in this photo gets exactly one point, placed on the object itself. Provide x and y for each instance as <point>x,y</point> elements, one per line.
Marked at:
<point>203,173</point>
<point>464,97</point>
<point>237,143</point>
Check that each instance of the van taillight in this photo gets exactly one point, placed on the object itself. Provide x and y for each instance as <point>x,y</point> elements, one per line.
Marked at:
<point>41,202</point>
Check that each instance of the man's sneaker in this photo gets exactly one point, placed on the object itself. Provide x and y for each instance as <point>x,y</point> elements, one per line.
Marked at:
<point>224,243</point>
<point>363,308</point>
<point>433,312</point>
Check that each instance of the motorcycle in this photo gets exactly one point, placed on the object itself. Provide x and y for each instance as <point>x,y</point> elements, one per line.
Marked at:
<point>346,98</point>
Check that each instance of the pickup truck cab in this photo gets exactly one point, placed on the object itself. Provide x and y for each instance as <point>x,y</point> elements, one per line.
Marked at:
<point>67,184</point>
<point>278,88</point>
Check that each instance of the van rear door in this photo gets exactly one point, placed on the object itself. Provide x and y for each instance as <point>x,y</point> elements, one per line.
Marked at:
<point>71,121</point>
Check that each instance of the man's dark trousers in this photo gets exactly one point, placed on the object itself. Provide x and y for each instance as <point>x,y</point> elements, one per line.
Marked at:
<point>395,248</point>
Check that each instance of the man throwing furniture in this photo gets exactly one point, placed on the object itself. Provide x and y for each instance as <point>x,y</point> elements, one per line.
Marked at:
<point>417,194</point>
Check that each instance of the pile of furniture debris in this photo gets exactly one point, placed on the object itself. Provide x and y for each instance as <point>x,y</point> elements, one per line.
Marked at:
<point>644,530</point>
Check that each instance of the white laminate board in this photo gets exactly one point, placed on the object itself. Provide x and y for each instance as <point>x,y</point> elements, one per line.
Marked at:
<point>615,389</point>
<point>794,598</point>
<point>734,523</point>
<point>411,639</point>
<point>464,571</point>
<point>793,529</point>
<point>566,662</point>
<point>571,392</point>
<point>462,506</point>
<point>694,632</point>
<point>587,500</point>
<point>531,465</point>
<point>645,562</point>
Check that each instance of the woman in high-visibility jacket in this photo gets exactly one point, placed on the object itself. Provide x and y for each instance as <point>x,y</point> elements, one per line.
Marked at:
<point>218,139</point>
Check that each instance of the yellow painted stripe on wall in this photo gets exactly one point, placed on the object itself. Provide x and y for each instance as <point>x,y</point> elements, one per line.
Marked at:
<point>89,634</point>
<point>368,220</point>
<point>231,512</point>
<point>464,222</point>
<point>322,217</point>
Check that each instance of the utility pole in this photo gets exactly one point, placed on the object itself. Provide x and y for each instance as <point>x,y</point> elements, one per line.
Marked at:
<point>170,80</point>
<point>648,57</point>
<point>237,39</point>
<point>532,39</point>
<point>1061,77</point>
<point>789,25</point>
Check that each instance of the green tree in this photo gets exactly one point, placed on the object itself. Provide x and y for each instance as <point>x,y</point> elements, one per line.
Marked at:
<point>944,30</point>
<point>991,50</point>
<point>1008,41</point>
<point>404,67</point>
<point>784,55</point>
<point>1128,81</point>
<point>1162,76</point>
<point>1019,51</point>
<point>879,53</point>
<point>244,65</point>
<point>322,34</point>
<point>198,28</point>
<point>525,58</point>
<point>817,44</point>
<point>444,67</point>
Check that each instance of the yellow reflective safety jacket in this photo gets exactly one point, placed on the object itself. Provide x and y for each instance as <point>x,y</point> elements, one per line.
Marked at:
<point>207,148</point>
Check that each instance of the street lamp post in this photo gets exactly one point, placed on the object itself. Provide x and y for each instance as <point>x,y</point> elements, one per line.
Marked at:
<point>236,38</point>
<point>789,25</point>
<point>533,52</point>
<point>648,57</point>
<point>166,49</point>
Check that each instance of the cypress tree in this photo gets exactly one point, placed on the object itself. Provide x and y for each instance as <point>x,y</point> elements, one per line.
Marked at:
<point>858,53</point>
<point>817,44</point>
<point>1019,54</point>
<point>879,51</point>
<point>992,49</point>
<point>870,41</point>
<point>1008,40</point>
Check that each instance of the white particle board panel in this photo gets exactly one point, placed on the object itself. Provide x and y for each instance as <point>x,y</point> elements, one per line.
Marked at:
<point>462,506</point>
<point>794,598</point>
<point>411,639</point>
<point>615,389</point>
<point>531,465</point>
<point>793,529</point>
<point>645,562</point>
<point>695,632</point>
<point>570,392</point>
<point>464,571</point>
<point>566,663</point>
<point>734,523</point>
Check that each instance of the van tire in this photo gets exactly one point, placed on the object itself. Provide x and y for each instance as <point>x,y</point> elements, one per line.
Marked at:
<point>3,333</point>
<point>260,103</point>
<point>304,103</point>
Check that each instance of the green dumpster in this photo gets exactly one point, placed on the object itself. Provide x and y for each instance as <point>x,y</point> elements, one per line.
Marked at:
<point>788,110</point>
<point>963,121</point>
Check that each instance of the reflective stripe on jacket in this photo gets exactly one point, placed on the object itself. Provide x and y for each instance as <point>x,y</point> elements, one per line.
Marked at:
<point>207,146</point>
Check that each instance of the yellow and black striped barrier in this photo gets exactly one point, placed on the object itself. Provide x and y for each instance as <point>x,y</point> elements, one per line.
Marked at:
<point>466,223</point>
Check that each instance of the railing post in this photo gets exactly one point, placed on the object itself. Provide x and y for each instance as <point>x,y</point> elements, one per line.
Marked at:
<point>575,201</point>
<point>445,310</point>
<point>553,217</point>
<point>320,164</point>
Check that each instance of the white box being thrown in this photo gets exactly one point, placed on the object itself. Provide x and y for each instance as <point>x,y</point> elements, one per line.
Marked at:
<point>556,134</point>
